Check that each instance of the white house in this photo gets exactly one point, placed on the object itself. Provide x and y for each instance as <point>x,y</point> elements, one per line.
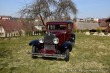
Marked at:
<point>10,28</point>
<point>2,31</point>
<point>38,24</point>
<point>5,17</point>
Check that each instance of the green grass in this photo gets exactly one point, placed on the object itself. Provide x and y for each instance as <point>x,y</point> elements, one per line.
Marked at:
<point>91,54</point>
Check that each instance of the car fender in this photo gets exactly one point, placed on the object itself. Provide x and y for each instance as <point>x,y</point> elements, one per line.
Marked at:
<point>73,38</point>
<point>34,43</point>
<point>65,46</point>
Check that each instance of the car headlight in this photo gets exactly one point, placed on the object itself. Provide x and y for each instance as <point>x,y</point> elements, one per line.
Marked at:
<point>55,40</point>
<point>41,40</point>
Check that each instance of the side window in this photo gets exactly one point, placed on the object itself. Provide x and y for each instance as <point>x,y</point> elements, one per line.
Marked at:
<point>63,27</point>
<point>69,27</point>
<point>51,27</point>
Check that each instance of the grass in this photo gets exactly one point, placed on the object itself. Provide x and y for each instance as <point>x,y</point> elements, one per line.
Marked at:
<point>91,54</point>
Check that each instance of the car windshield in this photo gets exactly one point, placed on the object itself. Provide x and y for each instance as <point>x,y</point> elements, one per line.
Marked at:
<point>57,27</point>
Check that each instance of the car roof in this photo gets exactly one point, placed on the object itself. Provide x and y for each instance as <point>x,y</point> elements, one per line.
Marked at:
<point>62,22</point>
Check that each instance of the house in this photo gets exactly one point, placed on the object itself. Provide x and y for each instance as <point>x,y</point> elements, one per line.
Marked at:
<point>96,20</point>
<point>102,22</point>
<point>5,17</point>
<point>2,31</point>
<point>80,20</point>
<point>86,26</point>
<point>88,20</point>
<point>10,28</point>
<point>39,25</point>
<point>108,25</point>
<point>108,22</point>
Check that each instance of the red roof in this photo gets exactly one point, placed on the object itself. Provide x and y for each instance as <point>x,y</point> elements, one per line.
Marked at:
<point>11,25</point>
<point>108,20</point>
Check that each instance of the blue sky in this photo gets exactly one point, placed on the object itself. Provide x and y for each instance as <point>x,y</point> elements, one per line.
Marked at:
<point>93,8</point>
<point>86,8</point>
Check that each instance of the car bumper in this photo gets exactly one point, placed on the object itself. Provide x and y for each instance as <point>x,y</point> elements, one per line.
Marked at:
<point>48,55</point>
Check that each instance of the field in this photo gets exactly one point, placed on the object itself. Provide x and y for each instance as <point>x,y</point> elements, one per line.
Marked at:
<point>91,54</point>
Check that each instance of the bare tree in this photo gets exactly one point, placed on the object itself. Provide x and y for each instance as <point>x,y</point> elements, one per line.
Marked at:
<point>47,8</point>
<point>39,7</point>
<point>65,8</point>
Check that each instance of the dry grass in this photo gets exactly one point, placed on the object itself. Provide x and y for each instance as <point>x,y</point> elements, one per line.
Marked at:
<point>91,54</point>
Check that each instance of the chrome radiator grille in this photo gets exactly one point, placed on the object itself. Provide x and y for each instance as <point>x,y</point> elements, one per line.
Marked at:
<point>49,47</point>
<point>49,38</point>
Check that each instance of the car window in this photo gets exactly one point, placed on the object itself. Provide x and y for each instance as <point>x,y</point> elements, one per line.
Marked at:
<point>69,27</point>
<point>57,27</point>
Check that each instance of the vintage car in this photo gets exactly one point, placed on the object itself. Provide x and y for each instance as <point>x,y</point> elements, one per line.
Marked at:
<point>57,42</point>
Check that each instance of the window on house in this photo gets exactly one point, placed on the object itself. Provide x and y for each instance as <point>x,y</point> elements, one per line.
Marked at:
<point>1,34</point>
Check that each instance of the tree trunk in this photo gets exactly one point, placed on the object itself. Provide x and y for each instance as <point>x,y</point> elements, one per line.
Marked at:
<point>41,19</point>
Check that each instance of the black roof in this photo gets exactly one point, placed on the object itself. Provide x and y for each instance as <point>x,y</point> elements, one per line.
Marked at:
<point>67,21</point>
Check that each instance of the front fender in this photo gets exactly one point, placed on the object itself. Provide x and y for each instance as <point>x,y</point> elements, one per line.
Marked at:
<point>34,42</point>
<point>73,38</point>
<point>65,46</point>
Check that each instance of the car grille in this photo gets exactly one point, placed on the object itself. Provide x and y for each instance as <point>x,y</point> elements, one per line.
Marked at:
<point>49,38</point>
<point>49,47</point>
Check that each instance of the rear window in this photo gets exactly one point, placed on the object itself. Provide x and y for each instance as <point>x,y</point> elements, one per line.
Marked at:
<point>57,27</point>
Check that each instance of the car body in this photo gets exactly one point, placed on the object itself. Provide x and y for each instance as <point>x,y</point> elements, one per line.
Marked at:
<point>57,42</point>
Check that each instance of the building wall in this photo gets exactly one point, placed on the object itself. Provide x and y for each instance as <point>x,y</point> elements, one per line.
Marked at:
<point>89,26</point>
<point>0,17</point>
<point>12,34</point>
<point>5,17</point>
<point>7,34</point>
<point>39,27</point>
<point>2,32</point>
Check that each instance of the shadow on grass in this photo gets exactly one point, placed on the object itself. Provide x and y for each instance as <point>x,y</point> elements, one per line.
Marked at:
<point>4,53</point>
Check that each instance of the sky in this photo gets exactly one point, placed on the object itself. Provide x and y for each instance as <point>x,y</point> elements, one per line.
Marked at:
<point>86,8</point>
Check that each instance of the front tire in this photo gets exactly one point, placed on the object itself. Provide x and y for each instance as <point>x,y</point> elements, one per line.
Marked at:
<point>34,50</point>
<point>67,55</point>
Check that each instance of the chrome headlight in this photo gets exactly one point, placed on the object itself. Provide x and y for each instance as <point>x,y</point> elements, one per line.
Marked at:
<point>41,40</point>
<point>55,40</point>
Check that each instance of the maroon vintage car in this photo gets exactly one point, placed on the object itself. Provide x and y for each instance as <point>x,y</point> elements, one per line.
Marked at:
<point>57,42</point>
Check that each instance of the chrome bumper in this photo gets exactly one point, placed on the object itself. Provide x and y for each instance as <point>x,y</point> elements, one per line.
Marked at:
<point>49,55</point>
